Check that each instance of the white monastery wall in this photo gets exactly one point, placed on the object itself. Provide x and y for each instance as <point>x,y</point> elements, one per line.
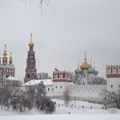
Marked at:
<point>113,84</point>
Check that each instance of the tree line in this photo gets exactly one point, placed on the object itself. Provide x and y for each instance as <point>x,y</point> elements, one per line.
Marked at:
<point>25,98</point>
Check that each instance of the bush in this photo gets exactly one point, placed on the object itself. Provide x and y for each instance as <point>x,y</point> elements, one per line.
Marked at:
<point>111,100</point>
<point>5,94</point>
<point>45,104</point>
<point>28,103</point>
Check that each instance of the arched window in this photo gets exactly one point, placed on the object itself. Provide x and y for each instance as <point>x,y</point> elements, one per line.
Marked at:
<point>28,75</point>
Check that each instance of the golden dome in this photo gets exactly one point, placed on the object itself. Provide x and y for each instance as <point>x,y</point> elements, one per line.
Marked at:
<point>31,44</point>
<point>5,52</point>
<point>10,55</point>
<point>85,65</point>
<point>5,55</point>
<point>10,59</point>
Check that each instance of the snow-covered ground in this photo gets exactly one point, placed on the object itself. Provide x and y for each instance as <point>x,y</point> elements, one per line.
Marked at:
<point>81,107</point>
<point>76,110</point>
<point>61,117</point>
<point>74,107</point>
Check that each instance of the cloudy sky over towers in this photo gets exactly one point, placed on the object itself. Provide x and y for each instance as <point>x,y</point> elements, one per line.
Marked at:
<point>62,31</point>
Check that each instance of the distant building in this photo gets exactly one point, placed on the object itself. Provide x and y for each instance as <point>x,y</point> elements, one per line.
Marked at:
<point>30,71</point>
<point>61,80</point>
<point>43,75</point>
<point>13,81</point>
<point>55,86</point>
<point>113,78</point>
<point>6,66</point>
<point>47,82</point>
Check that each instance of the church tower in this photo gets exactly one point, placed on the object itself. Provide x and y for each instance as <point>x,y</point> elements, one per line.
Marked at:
<point>30,72</point>
<point>7,68</point>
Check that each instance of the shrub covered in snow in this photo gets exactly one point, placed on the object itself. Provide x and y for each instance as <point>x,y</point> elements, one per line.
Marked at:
<point>20,99</point>
<point>5,94</point>
<point>111,99</point>
<point>45,104</point>
<point>42,101</point>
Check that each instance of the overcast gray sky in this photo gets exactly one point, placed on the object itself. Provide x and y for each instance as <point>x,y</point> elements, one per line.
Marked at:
<point>62,33</point>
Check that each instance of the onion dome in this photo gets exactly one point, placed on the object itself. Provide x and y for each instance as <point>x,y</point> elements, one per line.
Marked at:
<point>78,70</point>
<point>96,72</point>
<point>85,65</point>
<point>31,44</point>
<point>91,70</point>
<point>10,59</point>
<point>10,55</point>
<point>5,55</point>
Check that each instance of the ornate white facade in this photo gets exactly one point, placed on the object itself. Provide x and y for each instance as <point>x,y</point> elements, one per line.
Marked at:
<point>6,66</point>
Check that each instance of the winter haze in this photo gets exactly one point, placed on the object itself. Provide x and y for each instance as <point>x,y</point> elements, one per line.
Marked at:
<point>62,31</point>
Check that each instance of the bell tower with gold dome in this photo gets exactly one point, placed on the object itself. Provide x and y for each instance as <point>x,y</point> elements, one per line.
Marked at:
<point>30,72</point>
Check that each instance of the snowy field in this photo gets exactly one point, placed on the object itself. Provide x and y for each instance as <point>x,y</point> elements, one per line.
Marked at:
<point>81,107</point>
<point>61,117</point>
<point>74,107</point>
<point>76,110</point>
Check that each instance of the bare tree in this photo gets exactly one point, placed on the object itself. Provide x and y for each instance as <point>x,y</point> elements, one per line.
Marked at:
<point>39,2</point>
<point>66,96</point>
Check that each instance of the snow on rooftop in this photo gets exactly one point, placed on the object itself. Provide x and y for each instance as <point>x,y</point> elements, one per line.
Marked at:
<point>12,78</point>
<point>35,82</point>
